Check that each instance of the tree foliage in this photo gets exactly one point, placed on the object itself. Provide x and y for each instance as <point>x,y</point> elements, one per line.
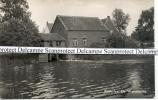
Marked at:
<point>19,33</point>
<point>117,41</point>
<point>120,19</point>
<point>145,30</point>
<point>121,41</point>
<point>17,28</point>
<point>13,9</point>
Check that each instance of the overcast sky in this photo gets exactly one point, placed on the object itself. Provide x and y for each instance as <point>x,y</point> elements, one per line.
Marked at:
<point>46,10</point>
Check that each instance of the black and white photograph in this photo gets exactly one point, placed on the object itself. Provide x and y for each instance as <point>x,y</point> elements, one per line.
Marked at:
<point>126,24</point>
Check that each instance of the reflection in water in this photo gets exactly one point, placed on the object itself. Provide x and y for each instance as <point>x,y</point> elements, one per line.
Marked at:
<point>135,79</point>
<point>76,80</point>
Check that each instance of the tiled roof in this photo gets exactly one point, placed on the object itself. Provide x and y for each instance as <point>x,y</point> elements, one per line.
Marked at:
<point>50,25</point>
<point>81,23</point>
<point>52,36</point>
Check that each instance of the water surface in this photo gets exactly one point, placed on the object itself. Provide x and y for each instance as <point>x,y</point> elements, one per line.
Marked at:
<point>78,79</point>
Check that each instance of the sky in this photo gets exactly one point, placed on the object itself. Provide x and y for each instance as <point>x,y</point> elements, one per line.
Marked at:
<point>46,10</point>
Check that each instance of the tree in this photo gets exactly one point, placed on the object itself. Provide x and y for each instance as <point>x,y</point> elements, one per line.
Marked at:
<point>121,41</point>
<point>144,32</point>
<point>120,19</point>
<point>19,33</point>
<point>116,41</point>
<point>16,9</point>
<point>16,28</point>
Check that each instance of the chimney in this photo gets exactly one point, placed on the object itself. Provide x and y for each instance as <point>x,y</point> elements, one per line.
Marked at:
<point>108,17</point>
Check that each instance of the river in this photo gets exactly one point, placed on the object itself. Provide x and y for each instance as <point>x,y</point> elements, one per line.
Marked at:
<point>78,79</point>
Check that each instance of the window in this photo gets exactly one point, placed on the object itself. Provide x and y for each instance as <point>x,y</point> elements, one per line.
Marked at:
<point>84,41</point>
<point>58,43</point>
<point>42,43</point>
<point>75,42</point>
<point>51,43</point>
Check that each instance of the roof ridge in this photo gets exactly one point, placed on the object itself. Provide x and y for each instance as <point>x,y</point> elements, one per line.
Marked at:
<point>76,16</point>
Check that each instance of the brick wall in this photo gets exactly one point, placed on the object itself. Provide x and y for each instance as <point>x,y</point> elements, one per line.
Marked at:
<point>91,36</point>
<point>60,29</point>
